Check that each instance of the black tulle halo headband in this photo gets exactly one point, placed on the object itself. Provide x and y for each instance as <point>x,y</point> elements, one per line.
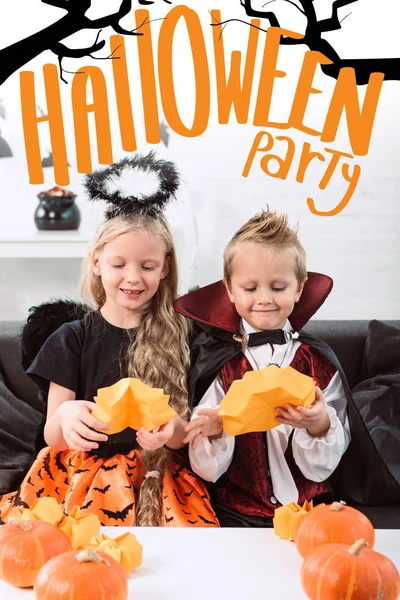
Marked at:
<point>102,185</point>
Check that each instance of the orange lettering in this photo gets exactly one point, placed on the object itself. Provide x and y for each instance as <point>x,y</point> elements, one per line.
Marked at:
<point>257,148</point>
<point>234,92</point>
<point>359,121</point>
<point>148,79</point>
<point>201,73</point>
<point>101,116</point>
<point>352,179</point>
<point>123,94</point>
<point>305,159</point>
<point>284,164</point>
<point>30,122</point>
<point>268,74</point>
<point>304,89</point>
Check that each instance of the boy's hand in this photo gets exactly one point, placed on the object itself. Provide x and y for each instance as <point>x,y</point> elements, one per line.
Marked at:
<point>315,419</point>
<point>206,424</point>
<point>153,440</point>
<point>77,424</point>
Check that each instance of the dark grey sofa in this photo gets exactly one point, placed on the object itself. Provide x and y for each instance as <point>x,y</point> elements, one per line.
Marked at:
<point>347,339</point>
<point>21,411</point>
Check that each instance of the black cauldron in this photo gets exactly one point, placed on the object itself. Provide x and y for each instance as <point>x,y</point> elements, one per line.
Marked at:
<point>57,210</point>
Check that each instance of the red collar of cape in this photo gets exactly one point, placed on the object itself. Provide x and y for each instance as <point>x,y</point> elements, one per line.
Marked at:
<point>210,305</point>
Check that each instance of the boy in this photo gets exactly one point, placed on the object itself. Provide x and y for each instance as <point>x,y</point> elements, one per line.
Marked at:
<point>264,275</point>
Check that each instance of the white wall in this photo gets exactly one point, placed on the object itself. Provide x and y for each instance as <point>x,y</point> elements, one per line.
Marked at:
<point>358,247</point>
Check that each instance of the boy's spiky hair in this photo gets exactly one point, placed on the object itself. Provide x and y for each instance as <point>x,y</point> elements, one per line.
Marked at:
<point>268,229</point>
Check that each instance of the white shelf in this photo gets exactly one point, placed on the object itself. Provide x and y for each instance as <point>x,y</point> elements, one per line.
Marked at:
<point>30,243</point>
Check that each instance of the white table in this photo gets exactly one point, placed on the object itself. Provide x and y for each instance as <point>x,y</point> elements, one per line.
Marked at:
<point>216,564</point>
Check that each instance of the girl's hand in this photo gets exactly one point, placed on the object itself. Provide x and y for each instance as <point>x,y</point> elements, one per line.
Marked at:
<point>206,424</point>
<point>153,440</point>
<point>76,420</point>
<point>315,419</point>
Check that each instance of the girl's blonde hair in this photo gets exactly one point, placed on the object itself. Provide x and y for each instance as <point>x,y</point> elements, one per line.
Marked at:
<point>158,353</point>
<point>271,230</point>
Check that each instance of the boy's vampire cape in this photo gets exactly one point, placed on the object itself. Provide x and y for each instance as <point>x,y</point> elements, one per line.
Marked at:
<point>362,476</point>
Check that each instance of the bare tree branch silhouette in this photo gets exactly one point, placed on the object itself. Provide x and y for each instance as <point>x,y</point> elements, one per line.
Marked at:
<point>16,55</point>
<point>62,51</point>
<point>313,39</point>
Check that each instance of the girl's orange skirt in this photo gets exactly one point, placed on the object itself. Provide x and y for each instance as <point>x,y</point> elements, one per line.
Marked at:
<point>108,487</point>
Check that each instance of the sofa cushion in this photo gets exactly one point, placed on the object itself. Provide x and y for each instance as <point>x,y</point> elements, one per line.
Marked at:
<point>18,426</point>
<point>20,410</point>
<point>382,349</point>
<point>12,372</point>
<point>347,340</point>
<point>378,395</point>
<point>381,517</point>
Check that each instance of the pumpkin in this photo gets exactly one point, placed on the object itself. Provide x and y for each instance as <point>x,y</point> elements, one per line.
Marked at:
<point>334,523</point>
<point>66,575</point>
<point>335,571</point>
<point>25,546</point>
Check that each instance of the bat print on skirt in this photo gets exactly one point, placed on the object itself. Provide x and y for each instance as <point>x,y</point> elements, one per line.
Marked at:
<point>108,487</point>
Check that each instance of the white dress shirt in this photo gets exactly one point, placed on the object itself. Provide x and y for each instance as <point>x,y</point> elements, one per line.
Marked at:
<point>316,457</point>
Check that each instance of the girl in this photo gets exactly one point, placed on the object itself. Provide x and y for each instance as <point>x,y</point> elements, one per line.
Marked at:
<point>131,277</point>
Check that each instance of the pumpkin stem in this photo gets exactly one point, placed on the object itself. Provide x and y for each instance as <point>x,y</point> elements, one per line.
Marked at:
<point>357,547</point>
<point>23,524</point>
<point>91,556</point>
<point>338,506</point>
<point>88,556</point>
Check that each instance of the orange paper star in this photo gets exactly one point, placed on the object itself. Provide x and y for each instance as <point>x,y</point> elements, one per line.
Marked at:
<point>125,549</point>
<point>288,517</point>
<point>43,509</point>
<point>80,528</point>
<point>250,402</point>
<point>131,403</point>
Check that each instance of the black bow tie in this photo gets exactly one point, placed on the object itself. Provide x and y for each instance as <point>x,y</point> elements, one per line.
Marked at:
<point>272,336</point>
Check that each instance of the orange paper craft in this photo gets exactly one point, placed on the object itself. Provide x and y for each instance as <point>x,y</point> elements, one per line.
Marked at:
<point>131,403</point>
<point>43,509</point>
<point>125,549</point>
<point>250,402</point>
<point>80,528</point>
<point>288,517</point>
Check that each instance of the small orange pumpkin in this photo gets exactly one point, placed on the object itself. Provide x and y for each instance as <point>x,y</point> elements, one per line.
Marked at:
<point>334,523</point>
<point>335,571</point>
<point>66,575</point>
<point>25,546</point>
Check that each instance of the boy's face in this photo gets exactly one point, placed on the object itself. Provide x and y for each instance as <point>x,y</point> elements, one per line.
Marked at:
<point>263,286</point>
